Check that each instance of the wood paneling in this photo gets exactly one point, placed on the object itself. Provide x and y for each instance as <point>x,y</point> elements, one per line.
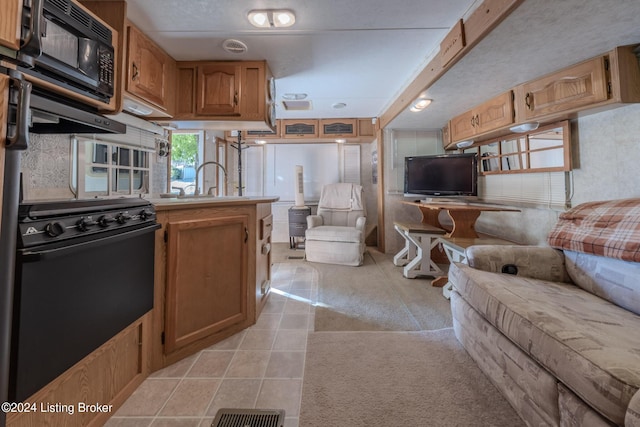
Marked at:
<point>10,14</point>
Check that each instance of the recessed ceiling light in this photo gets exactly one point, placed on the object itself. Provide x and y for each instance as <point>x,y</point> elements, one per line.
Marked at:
<point>338,105</point>
<point>420,104</point>
<point>341,140</point>
<point>271,18</point>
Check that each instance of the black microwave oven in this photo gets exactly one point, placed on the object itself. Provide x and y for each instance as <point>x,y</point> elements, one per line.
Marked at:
<point>63,44</point>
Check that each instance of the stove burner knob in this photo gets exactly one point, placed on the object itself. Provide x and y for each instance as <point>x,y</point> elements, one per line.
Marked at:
<point>105,220</point>
<point>83,224</point>
<point>146,214</point>
<point>122,218</point>
<point>54,229</point>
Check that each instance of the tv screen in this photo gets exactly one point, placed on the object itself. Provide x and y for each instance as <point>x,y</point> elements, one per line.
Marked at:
<point>441,175</point>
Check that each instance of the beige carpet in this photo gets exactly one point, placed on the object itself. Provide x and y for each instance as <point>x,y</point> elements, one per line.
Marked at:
<point>383,353</point>
<point>376,297</point>
<point>371,379</point>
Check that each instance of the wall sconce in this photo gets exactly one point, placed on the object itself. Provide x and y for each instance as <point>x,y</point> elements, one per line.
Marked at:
<point>271,18</point>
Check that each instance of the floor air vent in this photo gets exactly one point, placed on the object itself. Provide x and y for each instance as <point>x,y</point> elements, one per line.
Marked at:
<point>248,418</point>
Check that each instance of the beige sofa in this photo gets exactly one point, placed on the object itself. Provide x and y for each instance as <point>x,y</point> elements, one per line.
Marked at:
<point>560,338</point>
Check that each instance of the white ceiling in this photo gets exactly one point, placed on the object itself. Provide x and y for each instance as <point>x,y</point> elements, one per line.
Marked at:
<point>365,52</point>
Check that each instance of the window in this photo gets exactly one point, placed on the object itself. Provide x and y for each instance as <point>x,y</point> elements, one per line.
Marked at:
<point>111,169</point>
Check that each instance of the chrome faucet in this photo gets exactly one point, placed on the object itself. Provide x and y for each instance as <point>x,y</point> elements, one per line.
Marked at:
<point>224,171</point>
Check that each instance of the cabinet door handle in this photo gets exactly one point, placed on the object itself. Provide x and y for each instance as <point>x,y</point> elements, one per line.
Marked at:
<point>246,234</point>
<point>527,100</point>
<point>135,71</point>
<point>235,98</point>
<point>477,120</point>
<point>473,122</point>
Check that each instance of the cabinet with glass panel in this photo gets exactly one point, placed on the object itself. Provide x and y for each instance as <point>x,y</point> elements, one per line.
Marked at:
<point>109,169</point>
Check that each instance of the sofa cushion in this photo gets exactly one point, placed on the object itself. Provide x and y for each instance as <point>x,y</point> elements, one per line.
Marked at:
<point>589,344</point>
<point>609,228</point>
<point>612,279</point>
<point>334,233</point>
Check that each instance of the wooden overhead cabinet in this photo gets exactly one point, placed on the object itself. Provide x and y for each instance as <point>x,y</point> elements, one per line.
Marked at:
<point>300,128</point>
<point>483,119</point>
<point>608,79</point>
<point>338,128</point>
<point>10,19</point>
<point>225,91</point>
<point>149,70</point>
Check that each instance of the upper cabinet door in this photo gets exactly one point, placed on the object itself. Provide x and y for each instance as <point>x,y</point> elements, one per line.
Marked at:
<point>10,13</point>
<point>148,69</point>
<point>495,113</point>
<point>578,86</point>
<point>218,89</point>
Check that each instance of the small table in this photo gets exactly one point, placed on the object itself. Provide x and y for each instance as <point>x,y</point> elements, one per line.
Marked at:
<point>463,215</point>
<point>419,238</point>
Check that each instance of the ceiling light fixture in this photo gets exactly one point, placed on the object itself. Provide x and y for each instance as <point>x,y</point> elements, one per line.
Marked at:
<point>420,104</point>
<point>338,105</point>
<point>271,18</point>
<point>341,140</point>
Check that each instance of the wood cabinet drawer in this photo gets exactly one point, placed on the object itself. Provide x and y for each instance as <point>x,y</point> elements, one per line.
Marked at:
<point>266,226</point>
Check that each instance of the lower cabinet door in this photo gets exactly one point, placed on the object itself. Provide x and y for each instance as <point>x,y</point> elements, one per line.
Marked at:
<point>207,263</point>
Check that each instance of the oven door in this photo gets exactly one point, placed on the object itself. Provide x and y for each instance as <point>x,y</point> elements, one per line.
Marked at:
<point>70,298</point>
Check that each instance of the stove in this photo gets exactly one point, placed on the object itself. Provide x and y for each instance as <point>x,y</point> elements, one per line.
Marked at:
<point>58,221</point>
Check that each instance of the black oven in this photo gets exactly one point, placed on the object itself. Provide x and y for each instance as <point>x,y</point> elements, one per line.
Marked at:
<point>84,271</point>
<point>64,44</point>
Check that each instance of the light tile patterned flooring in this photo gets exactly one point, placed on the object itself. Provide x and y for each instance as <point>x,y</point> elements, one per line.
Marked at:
<point>260,367</point>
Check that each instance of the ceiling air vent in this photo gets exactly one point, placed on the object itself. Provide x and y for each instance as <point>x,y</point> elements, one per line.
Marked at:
<point>234,46</point>
<point>296,105</point>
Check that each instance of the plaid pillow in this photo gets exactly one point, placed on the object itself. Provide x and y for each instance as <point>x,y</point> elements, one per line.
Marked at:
<point>608,228</point>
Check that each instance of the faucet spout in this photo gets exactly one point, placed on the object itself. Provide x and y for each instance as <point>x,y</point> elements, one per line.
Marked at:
<point>224,171</point>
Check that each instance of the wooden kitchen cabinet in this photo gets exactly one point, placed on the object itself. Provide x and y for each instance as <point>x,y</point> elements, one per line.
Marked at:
<point>605,80</point>
<point>494,114</point>
<point>206,290</point>
<point>149,69</point>
<point>300,128</point>
<point>263,255</point>
<point>109,375</point>
<point>338,128</point>
<point>10,19</point>
<point>225,91</point>
<point>212,273</point>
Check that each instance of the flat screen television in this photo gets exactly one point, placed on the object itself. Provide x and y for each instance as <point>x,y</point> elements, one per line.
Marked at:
<point>441,175</point>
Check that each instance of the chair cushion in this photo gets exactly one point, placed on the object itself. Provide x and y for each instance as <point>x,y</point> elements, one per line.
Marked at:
<point>334,233</point>
<point>589,344</point>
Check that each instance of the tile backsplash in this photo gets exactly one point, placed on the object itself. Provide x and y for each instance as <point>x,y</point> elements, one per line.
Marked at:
<point>46,168</point>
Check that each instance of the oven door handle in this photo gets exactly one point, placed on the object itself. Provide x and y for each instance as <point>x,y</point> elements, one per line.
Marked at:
<point>31,42</point>
<point>33,255</point>
<point>20,139</point>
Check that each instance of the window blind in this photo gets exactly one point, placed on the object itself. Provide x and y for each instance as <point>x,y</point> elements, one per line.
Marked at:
<point>545,189</point>
<point>351,163</point>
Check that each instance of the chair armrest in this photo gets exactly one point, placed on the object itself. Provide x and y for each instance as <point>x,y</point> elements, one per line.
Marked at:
<point>314,221</point>
<point>537,262</point>
<point>632,418</point>
<point>361,222</point>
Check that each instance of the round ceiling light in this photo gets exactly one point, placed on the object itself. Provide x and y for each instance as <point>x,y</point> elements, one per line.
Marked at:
<point>338,105</point>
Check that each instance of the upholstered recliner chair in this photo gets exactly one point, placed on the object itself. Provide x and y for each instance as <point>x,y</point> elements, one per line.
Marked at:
<point>336,234</point>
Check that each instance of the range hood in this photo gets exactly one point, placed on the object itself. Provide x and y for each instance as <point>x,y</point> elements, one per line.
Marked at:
<point>50,116</point>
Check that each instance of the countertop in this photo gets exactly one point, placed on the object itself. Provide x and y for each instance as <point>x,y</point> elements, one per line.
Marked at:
<point>162,204</point>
